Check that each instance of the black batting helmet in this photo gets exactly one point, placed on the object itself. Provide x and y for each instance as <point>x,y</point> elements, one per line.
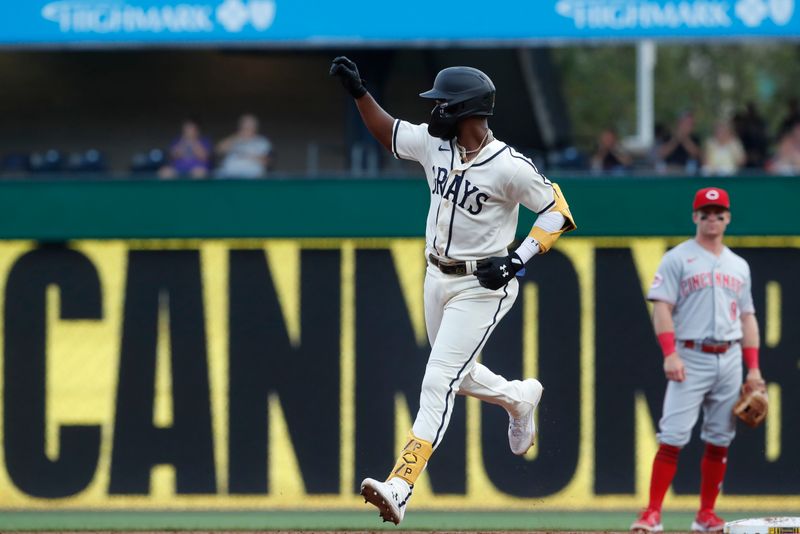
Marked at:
<point>461,92</point>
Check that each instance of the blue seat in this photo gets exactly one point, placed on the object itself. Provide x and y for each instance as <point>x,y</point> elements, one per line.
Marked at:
<point>148,162</point>
<point>94,161</point>
<point>46,162</point>
<point>568,158</point>
<point>91,160</point>
<point>15,163</point>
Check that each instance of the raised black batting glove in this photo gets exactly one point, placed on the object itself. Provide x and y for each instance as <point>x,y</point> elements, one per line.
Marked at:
<point>497,271</point>
<point>347,72</point>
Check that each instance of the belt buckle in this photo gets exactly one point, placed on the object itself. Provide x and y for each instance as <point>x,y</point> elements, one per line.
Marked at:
<point>715,347</point>
<point>449,266</point>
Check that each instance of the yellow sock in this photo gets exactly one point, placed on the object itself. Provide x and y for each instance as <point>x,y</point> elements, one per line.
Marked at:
<point>412,459</point>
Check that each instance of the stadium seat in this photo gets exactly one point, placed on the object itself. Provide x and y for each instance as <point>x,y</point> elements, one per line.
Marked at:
<point>15,163</point>
<point>91,160</point>
<point>567,158</point>
<point>45,162</point>
<point>148,162</point>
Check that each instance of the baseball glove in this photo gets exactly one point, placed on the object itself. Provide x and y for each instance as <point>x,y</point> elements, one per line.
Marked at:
<point>752,405</point>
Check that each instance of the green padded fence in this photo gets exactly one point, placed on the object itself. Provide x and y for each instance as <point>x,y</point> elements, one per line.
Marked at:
<point>632,206</point>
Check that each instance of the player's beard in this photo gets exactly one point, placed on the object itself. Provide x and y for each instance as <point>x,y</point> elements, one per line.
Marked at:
<point>441,125</point>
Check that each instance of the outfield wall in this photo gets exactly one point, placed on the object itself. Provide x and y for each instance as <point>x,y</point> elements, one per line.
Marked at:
<point>179,372</point>
<point>621,206</point>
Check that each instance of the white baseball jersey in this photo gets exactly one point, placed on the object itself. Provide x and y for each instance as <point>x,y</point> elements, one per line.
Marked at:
<point>709,293</point>
<point>474,205</point>
<point>473,215</point>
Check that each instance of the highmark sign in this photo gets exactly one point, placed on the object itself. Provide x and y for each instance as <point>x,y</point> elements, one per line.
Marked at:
<point>179,374</point>
<point>359,22</point>
<point>648,15</point>
<point>230,16</point>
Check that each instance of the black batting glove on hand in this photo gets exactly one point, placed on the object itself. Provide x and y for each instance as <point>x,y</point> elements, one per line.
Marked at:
<point>498,271</point>
<point>347,72</point>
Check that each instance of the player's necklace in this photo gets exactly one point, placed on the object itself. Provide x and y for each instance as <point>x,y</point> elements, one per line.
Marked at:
<point>463,152</point>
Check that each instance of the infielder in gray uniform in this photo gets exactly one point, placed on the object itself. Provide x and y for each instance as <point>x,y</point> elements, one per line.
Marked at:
<point>476,185</point>
<point>705,322</point>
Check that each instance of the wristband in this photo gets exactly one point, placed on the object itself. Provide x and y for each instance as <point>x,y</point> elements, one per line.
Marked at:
<point>527,249</point>
<point>750,355</point>
<point>667,342</point>
<point>358,92</point>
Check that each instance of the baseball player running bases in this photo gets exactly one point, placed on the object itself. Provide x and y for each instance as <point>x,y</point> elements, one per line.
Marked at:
<point>476,185</point>
<point>704,319</point>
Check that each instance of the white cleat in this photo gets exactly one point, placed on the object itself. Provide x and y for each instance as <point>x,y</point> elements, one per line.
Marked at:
<point>521,426</point>
<point>389,497</point>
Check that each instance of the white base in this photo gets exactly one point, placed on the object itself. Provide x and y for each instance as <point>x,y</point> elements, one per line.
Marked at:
<point>764,525</point>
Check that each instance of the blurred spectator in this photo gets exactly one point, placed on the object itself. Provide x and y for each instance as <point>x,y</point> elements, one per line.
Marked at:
<point>245,153</point>
<point>681,151</point>
<point>660,136</point>
<point>752,131</point>
<point>723,154</point>
<point>787,158</point>
<point>610,156</point>
<point>791,118</point>
<point>189,155</point>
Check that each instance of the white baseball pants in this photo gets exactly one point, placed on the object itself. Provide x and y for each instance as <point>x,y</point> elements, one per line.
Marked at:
<point>460,316</point>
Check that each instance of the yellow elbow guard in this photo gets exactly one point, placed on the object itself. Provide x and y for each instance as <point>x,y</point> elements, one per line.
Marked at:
<point>545,238</point>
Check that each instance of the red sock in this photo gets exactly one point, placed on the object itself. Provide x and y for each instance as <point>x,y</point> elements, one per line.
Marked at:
<point>712,471</point>
<point>664,467</point>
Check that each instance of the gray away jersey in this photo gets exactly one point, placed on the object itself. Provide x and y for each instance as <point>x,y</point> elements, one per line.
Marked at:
<point>709,293</point>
